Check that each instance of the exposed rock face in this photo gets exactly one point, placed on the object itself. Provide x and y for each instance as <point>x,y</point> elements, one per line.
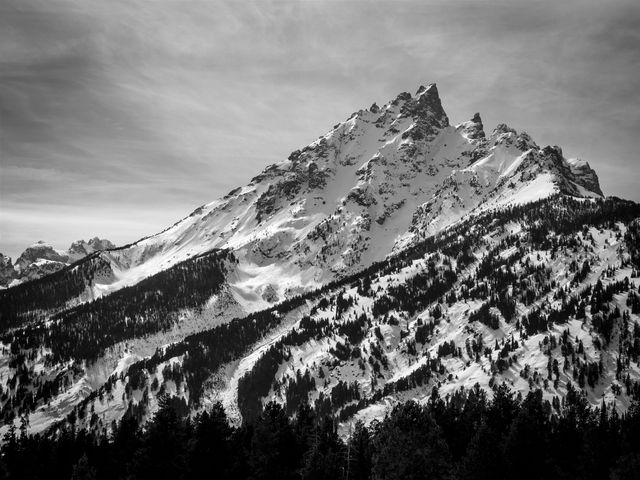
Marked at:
<point>426,109</point>
<point>585,175</point>
<point>473,129</point>
<point>80,248</point>
<point>42,259</point>
<point>37,251</point>
<point>269,294</point>
<point>505,168</point>
<point>7,272</point>
<point>39,268</point>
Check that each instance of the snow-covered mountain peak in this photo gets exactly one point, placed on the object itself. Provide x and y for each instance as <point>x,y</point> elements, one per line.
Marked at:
<point>507,168</point>
<point>81,248</point>
<point>472,129</point>
<point>373,183</point>
<point>390,217</point>
<point>425,108</point>
<point>37,251</point>
<point>42,258</point>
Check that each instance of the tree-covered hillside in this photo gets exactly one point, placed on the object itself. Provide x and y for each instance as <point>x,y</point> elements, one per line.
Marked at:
<point>466,436</point>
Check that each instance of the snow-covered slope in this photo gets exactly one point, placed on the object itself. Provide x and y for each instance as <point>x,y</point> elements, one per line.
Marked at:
<point>511,170</point>
<point>364,197</point>
<point>543,296</point>
<point>373,184</point>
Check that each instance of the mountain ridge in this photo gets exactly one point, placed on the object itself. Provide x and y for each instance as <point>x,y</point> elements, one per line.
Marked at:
<point>41,259</point>
<point>283,267</point>
<point>356,187</point>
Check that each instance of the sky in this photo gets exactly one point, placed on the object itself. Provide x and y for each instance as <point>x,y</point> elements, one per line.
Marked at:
<point>119,118</point>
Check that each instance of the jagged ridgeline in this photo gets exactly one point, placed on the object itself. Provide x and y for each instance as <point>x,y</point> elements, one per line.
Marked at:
<point>530,295</point>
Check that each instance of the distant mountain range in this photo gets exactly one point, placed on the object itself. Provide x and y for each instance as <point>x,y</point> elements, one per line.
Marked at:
<point>41,259</point>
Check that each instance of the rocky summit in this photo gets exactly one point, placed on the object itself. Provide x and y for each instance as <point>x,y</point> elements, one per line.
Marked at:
<point>41,259</point>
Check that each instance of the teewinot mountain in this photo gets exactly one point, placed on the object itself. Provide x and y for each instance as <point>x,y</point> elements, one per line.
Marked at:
<point>396,254</point>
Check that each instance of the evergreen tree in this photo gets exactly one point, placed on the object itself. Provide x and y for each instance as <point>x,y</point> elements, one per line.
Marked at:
<point>525,448</point>
<point>409,445</point>
<point>83,470</point>
<point>359,453</point>
<point>324,460</point>
<point>273,446</point>
<point>210,455</point>
<point>163,453</point>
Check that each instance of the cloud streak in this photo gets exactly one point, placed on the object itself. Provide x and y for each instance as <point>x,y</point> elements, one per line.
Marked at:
<point>117,118</point>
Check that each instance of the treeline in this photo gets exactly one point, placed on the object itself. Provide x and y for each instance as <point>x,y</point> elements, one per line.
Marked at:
<point>465,436</point>
<point>85,331</point>
<point>25,302</point>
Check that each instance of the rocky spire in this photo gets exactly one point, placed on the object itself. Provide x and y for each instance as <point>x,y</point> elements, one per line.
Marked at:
<point>425,107</point>
<point>473,129</point>
<point>426,104</point>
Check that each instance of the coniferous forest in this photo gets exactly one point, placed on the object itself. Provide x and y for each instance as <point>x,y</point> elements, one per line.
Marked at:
<point>466,435</point>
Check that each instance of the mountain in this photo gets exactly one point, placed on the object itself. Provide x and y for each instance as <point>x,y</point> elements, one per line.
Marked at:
<point>359,192</point>
<point>6,269</point>
<point>394,254</point>
<point>41,259</point>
